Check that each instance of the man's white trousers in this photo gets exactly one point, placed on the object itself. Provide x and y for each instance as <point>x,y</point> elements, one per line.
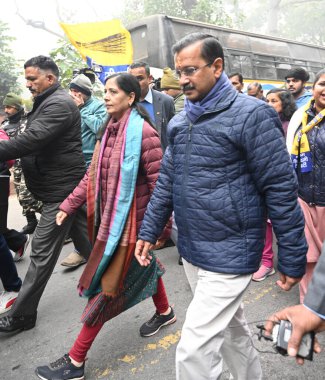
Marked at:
<point>215,329</point>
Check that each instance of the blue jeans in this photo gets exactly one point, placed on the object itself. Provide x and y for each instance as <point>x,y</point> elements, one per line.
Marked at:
<point>8,272</point>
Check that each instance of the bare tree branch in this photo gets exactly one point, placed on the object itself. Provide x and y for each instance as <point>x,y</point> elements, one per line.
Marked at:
<point>37,24</point>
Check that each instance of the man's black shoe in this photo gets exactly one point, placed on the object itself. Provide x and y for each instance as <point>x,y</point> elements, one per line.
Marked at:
<point>11,324</point>
<point>62,369</point>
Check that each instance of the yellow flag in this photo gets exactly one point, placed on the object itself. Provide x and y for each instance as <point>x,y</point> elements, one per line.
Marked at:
<point>107,43</point>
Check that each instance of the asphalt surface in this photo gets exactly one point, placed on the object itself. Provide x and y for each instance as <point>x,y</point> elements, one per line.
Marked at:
<point>119,353</point>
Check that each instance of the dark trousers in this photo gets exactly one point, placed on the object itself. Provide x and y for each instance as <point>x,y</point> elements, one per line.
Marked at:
<point>46,246</point>
<point>8,272</point>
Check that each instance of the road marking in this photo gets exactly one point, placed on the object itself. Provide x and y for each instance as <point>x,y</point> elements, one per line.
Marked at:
<point>136,361</point>
<point>255,295</point>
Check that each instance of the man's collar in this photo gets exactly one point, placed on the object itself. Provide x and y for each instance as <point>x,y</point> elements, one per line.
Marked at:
<point>149,97</point>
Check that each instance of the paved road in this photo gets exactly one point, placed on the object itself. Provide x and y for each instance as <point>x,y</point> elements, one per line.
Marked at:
<point>119,353</point>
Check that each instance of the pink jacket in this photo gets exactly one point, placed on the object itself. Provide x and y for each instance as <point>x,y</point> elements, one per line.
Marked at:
<point>151,155</point>
<point>4,136</point>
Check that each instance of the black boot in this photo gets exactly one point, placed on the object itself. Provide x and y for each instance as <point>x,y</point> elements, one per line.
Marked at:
<point>11,324</point>
<point>31,223</point>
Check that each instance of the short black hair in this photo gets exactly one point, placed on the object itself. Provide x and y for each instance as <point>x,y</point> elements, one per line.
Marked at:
<point>136,65</point>
<point>255,84</point>
<point>210,50</point>
<point>318,75</point>
<point>239,75</point>
<point>43,63</point>
<point>127,83</point>
<point>298,73</point>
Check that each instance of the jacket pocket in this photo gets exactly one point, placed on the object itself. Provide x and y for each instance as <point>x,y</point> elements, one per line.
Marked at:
<point>224,208</point>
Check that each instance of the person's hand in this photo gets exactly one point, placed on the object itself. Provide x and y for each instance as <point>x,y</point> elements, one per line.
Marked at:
<point>141,252</point>
<point>61,217</point>
<point>77,98</point>
<point>303,321</point>
<point>286,282</point>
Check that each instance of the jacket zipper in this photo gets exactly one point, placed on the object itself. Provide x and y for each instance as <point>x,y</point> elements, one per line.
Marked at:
<point>313,170</point>
<point>185,179</point>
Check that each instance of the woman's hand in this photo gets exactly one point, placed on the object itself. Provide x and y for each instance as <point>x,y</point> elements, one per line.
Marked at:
<point>141,252</point>
<point>61,217</point>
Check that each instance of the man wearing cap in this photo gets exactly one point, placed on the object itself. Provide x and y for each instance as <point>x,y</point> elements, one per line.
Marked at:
<point>295,82</point>
<point>93,114</point>
<point>14,125</point>
<point>169,85</point>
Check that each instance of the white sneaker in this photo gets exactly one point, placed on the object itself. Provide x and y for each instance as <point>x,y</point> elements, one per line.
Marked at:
<point>7,299</point>
<point>22,250</point>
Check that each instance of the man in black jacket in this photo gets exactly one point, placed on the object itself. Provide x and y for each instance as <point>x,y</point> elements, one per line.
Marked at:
<point>53,164</point>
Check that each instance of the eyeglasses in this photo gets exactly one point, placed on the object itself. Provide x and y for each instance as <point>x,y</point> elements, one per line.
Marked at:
<point>190,71</point>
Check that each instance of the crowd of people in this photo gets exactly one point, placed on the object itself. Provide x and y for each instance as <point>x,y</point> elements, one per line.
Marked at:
<point>217,170</point>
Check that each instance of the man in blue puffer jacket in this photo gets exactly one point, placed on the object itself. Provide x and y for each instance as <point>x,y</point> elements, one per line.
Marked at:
<point>226,168</point>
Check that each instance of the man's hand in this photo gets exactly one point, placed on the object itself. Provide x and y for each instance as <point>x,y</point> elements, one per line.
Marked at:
<point>141,252</point>
<point>61,217</point>
<point>286,282</point>
<point>77,98</point>
<point>303,321</point>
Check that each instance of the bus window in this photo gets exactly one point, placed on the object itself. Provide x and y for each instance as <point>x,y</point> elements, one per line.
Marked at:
<point>236,41</point>
<point>322,55</point>
<point>299,63</point>
<point>264,46</point>
<point>313,68</point>
<point>227,65</point>
<point>304,52</point>
<point>242,64</point>
<point>265,67</point>
<point>282,66</point>
<point>140,43</point>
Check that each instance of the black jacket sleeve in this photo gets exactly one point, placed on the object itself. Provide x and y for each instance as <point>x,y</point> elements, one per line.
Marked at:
<point>39,132</point>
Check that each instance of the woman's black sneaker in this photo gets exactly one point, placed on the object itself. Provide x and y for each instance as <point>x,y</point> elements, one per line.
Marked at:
<point>61,369</point>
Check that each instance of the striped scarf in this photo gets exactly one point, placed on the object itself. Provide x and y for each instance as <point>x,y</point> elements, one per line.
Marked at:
<point>113,229</point>
<point>300,149</point>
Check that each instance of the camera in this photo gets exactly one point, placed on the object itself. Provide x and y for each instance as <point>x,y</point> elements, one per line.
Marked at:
<point>281,335</point>
<point>90,73</point>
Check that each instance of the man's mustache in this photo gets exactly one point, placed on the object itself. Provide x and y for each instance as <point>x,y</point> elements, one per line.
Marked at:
<point>187,87</point>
